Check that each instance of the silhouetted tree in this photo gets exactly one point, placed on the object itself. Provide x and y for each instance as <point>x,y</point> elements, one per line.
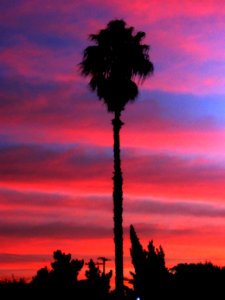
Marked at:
<point>42,278</point>
<point>157,273</point>
<point>113,62</point>
<point>151,275</point>
<point>63,274</point>
<point>64,269</point>
<point>199,281</point>
<point>138,258</point>
<point>98,283</point>
<point>93,273</point>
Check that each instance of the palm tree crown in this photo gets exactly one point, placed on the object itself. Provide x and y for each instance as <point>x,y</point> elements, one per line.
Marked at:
<point>113,63</point>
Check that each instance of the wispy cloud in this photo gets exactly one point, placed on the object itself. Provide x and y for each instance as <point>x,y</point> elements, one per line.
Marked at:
<point>178,208</point>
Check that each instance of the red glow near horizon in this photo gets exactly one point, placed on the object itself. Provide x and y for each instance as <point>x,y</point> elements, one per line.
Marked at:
<point>56,138</point>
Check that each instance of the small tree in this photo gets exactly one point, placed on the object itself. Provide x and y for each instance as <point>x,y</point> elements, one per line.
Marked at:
<point>98,283</point>
<point>64,269</point>
<point>151,275</point>
<point>63,274</point>
<point>138,258</point>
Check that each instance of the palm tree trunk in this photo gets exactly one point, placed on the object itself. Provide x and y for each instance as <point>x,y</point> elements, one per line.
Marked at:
<point>118,208</point>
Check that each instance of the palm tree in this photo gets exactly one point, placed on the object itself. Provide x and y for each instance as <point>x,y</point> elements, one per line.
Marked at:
<point>113,63</point>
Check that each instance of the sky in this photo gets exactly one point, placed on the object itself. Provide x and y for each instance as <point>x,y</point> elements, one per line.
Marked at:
<point>56,156</point>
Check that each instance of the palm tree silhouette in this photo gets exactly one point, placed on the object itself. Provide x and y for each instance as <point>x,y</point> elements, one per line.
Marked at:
<point>115,60</point>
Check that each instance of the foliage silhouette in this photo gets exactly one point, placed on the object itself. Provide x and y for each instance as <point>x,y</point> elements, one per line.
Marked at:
<point>63,274</point>
<point>62,279</point>
<point>198,281</point>
<point>116,59</point>
<point>64,269</point>
<point>151,277</point>
<point>97,282</point>
<point>184,281</point>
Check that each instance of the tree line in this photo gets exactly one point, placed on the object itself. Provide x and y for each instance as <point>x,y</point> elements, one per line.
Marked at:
<point>150,278</point>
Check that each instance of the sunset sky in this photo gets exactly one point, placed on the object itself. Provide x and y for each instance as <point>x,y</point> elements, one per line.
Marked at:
<point>56,157</point>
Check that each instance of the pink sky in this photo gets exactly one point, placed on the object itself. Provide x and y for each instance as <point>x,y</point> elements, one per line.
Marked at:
<point>56,152</point>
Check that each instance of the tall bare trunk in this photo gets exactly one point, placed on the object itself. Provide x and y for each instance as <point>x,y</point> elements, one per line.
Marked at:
<point>118,208</point>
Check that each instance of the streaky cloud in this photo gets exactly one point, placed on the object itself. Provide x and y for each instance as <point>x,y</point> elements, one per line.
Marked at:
<point>52,230</point>
<point>179,208</point>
